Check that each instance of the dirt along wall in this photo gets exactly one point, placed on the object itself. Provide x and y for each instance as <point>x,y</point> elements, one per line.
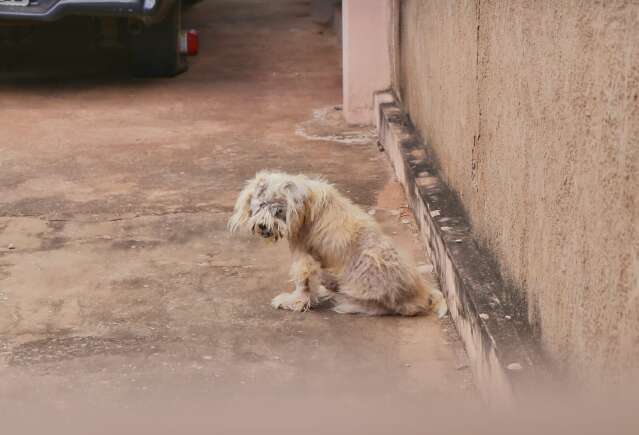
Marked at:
<point>532,110</point>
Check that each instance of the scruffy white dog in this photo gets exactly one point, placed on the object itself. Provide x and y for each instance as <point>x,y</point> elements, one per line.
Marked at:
<point>339,252</point>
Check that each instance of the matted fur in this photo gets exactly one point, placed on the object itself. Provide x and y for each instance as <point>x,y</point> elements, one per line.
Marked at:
<point>339,251</point>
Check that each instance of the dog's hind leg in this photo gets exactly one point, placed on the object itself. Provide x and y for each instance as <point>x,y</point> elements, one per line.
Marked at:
<point>348,305</point>
<point>304,269</point>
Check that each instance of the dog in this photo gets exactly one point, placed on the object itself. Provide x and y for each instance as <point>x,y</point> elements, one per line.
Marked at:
<point>339,252</point>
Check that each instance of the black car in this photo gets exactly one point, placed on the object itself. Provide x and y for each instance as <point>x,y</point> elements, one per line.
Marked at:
<point>153,27</point>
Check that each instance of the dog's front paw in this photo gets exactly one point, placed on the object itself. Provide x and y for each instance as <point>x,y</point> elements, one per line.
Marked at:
<point>292,301</point>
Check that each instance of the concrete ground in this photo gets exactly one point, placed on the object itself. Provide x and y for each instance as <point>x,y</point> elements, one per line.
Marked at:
<point>117,275</point>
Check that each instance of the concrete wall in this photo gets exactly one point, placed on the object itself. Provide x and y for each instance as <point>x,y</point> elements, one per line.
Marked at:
<point>532,109</point>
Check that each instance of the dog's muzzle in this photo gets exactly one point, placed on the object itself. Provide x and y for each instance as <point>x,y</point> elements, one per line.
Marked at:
<point>264,231</point>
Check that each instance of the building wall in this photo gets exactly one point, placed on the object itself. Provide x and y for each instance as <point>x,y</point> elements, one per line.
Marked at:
<point>532,110</point>
<point>365,56</point>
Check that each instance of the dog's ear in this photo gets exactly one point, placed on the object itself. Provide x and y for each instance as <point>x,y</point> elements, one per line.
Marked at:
<point>242,209</point>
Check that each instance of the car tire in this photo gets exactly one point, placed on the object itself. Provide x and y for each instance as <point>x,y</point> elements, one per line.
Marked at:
<point>155,49</point>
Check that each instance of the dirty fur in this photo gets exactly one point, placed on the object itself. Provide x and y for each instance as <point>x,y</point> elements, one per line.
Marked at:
<point>339,252</point>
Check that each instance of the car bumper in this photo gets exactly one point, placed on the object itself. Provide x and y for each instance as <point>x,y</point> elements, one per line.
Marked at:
<point>51,10</point>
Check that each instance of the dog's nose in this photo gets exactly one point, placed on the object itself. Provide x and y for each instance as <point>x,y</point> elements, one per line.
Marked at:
<point>264,230</point>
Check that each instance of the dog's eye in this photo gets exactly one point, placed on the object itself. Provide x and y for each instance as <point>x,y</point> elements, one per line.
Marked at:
<point>278,212</point>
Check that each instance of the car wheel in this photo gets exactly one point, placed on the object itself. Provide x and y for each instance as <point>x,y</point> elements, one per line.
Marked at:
<point>155,49</point>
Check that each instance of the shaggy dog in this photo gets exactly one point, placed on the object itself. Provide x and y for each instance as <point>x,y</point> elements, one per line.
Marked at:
<point>339,252</point>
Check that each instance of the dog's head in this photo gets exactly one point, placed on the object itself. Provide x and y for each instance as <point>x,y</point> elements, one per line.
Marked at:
<point>271,206</point>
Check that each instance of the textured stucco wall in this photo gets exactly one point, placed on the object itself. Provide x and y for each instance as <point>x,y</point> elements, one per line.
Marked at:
<point>532,109</point>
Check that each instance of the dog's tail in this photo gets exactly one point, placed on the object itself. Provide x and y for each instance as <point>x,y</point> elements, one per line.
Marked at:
<point>438,303</point>
<point>427,301</point>
<point>436,300</point>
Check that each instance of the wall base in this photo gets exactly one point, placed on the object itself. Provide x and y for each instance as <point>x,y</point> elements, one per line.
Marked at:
<point>500,360</point>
